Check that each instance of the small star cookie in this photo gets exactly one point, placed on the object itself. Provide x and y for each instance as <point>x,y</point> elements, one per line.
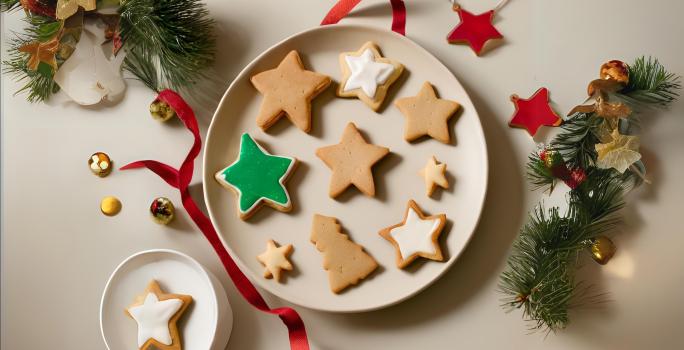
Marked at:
<point>433,174</point>
<point>288,90</point>
<point>351,161</point>
<point>257,177</point>
<point>416,236</point>
<point>367,75</point>
<point>275,260</point>
<point>425,114</point>
<point>157,313</point>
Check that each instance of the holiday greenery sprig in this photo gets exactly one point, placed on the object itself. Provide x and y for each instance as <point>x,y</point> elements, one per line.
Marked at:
<point>596,153</point>
<point>167,43</point>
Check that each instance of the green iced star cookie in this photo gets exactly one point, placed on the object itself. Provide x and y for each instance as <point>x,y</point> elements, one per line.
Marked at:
<point>258,177</point>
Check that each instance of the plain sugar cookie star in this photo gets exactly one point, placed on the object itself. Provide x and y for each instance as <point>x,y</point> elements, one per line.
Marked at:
<point>258,178</point>
<point>351,161</point>
<point>157,314</point>
<point>434,175</point>
<point>275,260</point>
<point>416,236</point>
<point>426,115</point>
<point>288,90</point>
<point>367,75</point>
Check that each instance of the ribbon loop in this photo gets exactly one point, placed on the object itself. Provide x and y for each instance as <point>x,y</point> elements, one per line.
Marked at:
<point>343,7</point>
<point>180,179</point>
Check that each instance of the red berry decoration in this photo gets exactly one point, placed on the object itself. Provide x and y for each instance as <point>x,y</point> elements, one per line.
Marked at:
<point>475,30</point>
<point>534,112</point>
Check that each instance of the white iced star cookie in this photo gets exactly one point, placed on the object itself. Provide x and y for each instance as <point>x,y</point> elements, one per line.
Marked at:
<point>367,75</point>
<point>275,260</point>
<point>433,175</point>
<point>416,236</point>
<point>156,314</point>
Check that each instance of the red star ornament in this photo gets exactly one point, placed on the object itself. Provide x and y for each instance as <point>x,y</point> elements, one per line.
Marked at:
<point>534,112</point>
<point>475,30</point>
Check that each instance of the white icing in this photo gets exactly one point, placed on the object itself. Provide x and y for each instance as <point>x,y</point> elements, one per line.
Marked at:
<point>366,73</point>
<point>415,235</point>
<point>153,318</point>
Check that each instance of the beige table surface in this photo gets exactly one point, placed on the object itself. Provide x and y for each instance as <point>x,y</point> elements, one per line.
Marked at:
<point>58,250</point>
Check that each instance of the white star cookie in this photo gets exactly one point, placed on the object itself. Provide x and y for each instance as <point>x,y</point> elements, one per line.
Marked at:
<point>275,260</point>
<point>433,175</point>
<point>367,75</point>
<point>156,314</point>
<point>416,236</point>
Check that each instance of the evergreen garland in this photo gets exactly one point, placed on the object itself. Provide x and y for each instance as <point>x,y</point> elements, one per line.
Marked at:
<point>168,43</point>
<point>540,274</point>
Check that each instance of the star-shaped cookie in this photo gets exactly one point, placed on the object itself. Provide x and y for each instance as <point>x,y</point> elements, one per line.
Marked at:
<point>433,175</point>
<point>367,75</point>
<point>157,313</point>
<point>275,260</point>
<point>288,90</point>
<point>351,161</point>
<point>425,114</point>
<point>258,178</point>
<point>416,236</point>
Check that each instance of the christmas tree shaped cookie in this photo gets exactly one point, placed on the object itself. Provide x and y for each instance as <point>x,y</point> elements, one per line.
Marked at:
<point>345,261</point>
<point>258,178</point>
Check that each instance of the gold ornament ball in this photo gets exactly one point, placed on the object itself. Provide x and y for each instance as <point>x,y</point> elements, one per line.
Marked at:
<point>162,210</point>
<point>161,110</point>
<point>110,205</point>
<point>602,249</point>
<point>615,70</point>
<point>100,164</point>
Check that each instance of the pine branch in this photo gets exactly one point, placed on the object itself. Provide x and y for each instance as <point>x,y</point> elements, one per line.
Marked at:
<point>540,273</point>
<point>539,276</point>
<point>650,82</point>
<point>39,84</point>
<point>9,5</point>
<point>176,36</point>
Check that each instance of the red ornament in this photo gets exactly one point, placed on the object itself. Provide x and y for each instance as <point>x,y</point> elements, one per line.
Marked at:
<point>534,112</point>
<point>475,30</point>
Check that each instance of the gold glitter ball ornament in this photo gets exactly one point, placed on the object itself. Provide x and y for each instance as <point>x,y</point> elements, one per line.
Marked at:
<point>100,164</point>
<point>162,210</point>
<point>110,205</point>
<point>161,110</point>
<point>615,70</point>
<point>602,249</point>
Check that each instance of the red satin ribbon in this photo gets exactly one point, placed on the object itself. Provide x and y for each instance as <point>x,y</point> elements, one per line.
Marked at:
<point>343,7</point>
<point>180,179</point>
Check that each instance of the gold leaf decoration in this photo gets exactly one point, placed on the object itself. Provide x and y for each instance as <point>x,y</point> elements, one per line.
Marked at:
<point>619,154</point>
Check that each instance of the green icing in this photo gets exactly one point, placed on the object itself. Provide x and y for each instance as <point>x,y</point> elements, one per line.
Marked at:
<point>256,175</point>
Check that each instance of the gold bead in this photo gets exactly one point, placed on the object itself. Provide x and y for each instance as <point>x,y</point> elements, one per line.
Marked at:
<point>615,70</point>
<point>162,210</point>
<point>110,205</point>
<point>602,249</point>
<point>100,164</point>
<point>161,110</point>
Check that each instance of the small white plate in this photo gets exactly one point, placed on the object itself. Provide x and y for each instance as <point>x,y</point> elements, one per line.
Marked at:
<point>208,322</point>
<point>361,217</point>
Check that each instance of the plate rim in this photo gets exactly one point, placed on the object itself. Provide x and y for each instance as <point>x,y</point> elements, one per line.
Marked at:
<point>197,265</point>
<point>241,75</point>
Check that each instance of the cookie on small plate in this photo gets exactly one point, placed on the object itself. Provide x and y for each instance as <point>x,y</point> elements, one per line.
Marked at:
<point>367,75</point>
<point>156,314</point>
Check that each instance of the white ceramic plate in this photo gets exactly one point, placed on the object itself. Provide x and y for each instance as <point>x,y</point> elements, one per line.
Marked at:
<point>209,320</point>
<point>361,217</point>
